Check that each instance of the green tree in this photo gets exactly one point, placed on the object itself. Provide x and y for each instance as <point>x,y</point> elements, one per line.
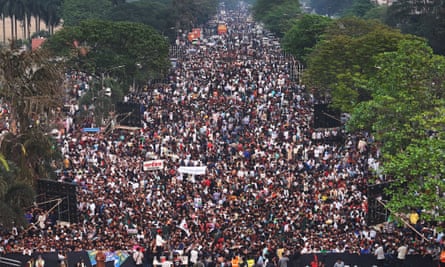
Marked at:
<point>51,13</point>
<point>100,103</point>
<point>32,152</point>
<point>359,8</point>
<point>409,82</point>
<point>3,14</point>
<point>7,8</point>
<point>15,196</point>
<point>406,116</point>
<point>76,11</point>
<point>31,83</point>
<point>304,35</point>
<point>345,56</point>
<point>422,18</point>
<point>188,14</point>
<point>153,13</point>
<point>278,16</point>
<point>331,7</point>
<point>418,178</point>
<point>103,45</point>
<point>377,13</point>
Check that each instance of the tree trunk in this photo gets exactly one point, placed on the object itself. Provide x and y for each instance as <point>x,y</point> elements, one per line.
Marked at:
<point>37,21</point>
<point>12,27</point>
<point>24,27</point>
<point>4,28</point>
<point>29,27</point>
<point>16,33</point>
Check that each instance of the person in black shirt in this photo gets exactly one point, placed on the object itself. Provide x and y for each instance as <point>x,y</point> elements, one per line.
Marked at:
<point>177,261</point>
<point>148,256</point>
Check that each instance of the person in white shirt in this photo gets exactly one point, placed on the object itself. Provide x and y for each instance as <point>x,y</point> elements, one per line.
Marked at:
<point>40,262</point>
<point>380,254</point>
<point>160,243</point>
<point>41,220</point>
<point>401,255</point>
<point>138,257</point>
<point>339,263</point>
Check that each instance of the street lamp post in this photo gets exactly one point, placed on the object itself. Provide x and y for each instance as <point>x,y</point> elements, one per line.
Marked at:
<point>103,91</point>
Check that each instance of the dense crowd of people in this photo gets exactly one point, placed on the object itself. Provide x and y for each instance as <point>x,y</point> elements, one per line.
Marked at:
<point>272,186</point>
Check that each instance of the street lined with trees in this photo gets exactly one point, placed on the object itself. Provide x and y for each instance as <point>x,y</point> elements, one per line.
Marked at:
<point>390,82</point>
<point>30,92</point>
<point>406,115</point>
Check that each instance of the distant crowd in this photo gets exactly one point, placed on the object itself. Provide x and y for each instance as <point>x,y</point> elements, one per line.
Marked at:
<point>273,185</point>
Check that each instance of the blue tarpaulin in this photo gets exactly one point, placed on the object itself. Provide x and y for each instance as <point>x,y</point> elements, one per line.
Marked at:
<point>91,130</point>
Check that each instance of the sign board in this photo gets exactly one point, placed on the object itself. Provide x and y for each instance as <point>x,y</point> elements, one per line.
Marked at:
<point>152,165</point>
<point>198,170</point>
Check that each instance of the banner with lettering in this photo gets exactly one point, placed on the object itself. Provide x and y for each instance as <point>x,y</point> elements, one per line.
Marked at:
<point>199,170</point>
<point>152,165</point>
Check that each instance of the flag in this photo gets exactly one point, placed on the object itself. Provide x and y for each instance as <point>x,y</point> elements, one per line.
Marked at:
<point>184,227</point>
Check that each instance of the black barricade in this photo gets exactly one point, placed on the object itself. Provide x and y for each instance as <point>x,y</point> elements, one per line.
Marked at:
<point>51,259</point>
<point>359,260</point>
<point>329,259</point>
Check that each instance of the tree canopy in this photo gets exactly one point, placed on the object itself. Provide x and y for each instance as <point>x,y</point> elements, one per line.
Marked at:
<point>406,116</point>
<point>31,82</point>
<point>125,49</point>
<point>277,16</point>
<point>192,13</point>
<point>167,17</point>
<point>345,55</point>
<point>153,13</point>
<point>76,11</point>
<point>359,8</point>
<point>422,18</point>
<point>304,35</point>
<point>31,85</point>
<point>331,7</point>
<point>15,196</point>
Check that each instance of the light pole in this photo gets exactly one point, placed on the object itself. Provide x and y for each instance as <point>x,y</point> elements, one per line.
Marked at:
<point>102,74</point>
<point>104,91</point>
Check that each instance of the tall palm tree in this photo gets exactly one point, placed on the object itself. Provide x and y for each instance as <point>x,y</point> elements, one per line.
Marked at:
<point>32,152</point>
<point>37,9</point>
<point>7,11</point>
<point>29,76</point>
<point>19,11</point>
<point>28,15</point>
<point>26,78</point>
<point>2,13</point>
<point>51,15</point>
<point>15,195</point>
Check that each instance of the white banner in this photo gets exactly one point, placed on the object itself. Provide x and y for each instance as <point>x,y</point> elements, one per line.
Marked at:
<point>200,170</point>
<point>152,165</point>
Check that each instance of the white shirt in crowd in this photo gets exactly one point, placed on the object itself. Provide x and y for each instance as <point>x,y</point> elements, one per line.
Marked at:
<point>401,252</point>
<point>379,253</point>
<point>159,241</point>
